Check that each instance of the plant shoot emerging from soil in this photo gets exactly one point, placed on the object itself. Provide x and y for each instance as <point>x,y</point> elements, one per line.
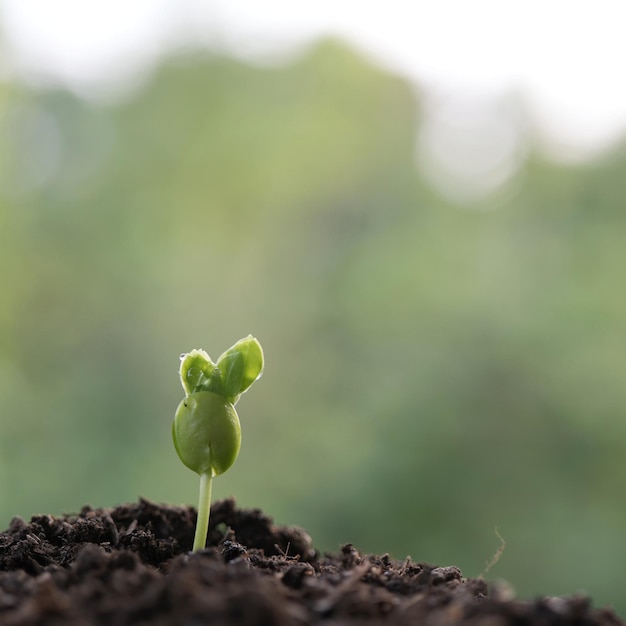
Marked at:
<point>206,429</point>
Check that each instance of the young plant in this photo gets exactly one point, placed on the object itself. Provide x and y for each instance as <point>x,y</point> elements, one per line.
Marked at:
<point>206,429</point>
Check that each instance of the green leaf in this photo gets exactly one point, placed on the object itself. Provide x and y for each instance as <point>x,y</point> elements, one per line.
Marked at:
<point>196,370</point>
<point>240,366</point>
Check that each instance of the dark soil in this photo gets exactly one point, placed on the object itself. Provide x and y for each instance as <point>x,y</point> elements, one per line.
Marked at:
<point>130,565</point>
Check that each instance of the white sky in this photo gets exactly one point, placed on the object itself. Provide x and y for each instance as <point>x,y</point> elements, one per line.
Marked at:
<point>566,57</point>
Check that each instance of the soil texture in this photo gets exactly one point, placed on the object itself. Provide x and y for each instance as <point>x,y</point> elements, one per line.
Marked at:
<point>130,565</point>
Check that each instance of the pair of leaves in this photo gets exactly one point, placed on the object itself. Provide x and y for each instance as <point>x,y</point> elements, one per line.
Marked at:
<point>235,370</point>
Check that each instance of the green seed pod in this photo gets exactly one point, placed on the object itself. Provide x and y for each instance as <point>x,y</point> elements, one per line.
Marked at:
<point>206,433</point>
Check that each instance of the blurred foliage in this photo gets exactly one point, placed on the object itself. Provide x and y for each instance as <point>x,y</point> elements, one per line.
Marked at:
<point>432,372</point>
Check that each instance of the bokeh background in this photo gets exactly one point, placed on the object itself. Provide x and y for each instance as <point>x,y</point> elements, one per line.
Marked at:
<point>437,282</point>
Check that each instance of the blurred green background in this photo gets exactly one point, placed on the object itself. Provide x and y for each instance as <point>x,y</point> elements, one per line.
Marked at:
<point>433,370</point>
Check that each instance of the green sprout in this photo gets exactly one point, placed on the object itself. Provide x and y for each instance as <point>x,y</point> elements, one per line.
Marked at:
<point>206,429</point>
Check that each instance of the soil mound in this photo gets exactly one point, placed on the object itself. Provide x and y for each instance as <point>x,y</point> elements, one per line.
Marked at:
<point>130,565</point>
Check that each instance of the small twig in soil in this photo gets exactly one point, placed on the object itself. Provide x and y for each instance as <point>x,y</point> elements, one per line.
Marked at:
<point>496,556</point>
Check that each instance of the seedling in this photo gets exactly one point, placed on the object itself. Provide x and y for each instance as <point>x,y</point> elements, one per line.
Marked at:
<point>206,429</point>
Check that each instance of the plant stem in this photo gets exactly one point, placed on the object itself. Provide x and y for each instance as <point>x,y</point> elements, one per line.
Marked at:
<point>204,509</point>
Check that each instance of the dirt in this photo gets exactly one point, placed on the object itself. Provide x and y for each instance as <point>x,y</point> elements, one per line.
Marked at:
<point>131,565</point>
